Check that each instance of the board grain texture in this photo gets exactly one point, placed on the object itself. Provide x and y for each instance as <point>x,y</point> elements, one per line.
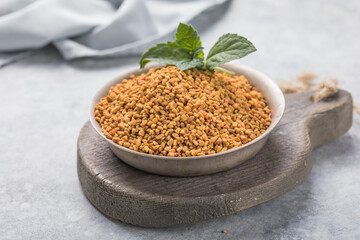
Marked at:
<point>124,193</point>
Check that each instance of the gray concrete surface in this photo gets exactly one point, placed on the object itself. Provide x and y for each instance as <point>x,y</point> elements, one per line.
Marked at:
<point>44,102</point>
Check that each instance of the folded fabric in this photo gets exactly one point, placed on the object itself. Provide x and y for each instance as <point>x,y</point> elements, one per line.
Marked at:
<point>94,28</point>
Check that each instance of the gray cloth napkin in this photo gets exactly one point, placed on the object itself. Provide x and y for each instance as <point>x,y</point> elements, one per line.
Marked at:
<point>91,28</point>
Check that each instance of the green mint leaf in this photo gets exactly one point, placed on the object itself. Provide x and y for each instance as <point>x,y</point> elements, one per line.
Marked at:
<point>186,52</point>
<point>188,38</point>
<point>170,53</point>
<point>229,47</point>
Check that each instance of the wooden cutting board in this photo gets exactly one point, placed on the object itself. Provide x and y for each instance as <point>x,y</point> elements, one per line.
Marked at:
<point>133,196</point>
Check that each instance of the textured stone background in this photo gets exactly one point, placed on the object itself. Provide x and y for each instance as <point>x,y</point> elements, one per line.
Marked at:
<point>44,102</point>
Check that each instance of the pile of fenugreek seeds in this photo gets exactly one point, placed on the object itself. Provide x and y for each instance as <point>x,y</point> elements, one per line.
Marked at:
<point>174,113</point>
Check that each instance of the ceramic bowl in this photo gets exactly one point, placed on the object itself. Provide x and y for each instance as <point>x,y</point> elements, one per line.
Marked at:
<point>198,165</point>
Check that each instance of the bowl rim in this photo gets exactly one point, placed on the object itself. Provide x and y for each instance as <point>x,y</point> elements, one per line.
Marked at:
<point>244,68</point>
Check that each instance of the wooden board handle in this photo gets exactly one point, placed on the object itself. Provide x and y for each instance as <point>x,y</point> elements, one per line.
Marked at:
<point>326,120</point>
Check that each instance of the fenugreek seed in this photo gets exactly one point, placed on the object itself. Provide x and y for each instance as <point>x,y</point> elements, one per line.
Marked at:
<point>115,109</point>
<point>107,114</point>
<point>248,132</point>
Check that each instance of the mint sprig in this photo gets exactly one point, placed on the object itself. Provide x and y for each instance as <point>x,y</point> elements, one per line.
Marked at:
<point>186,51</point>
